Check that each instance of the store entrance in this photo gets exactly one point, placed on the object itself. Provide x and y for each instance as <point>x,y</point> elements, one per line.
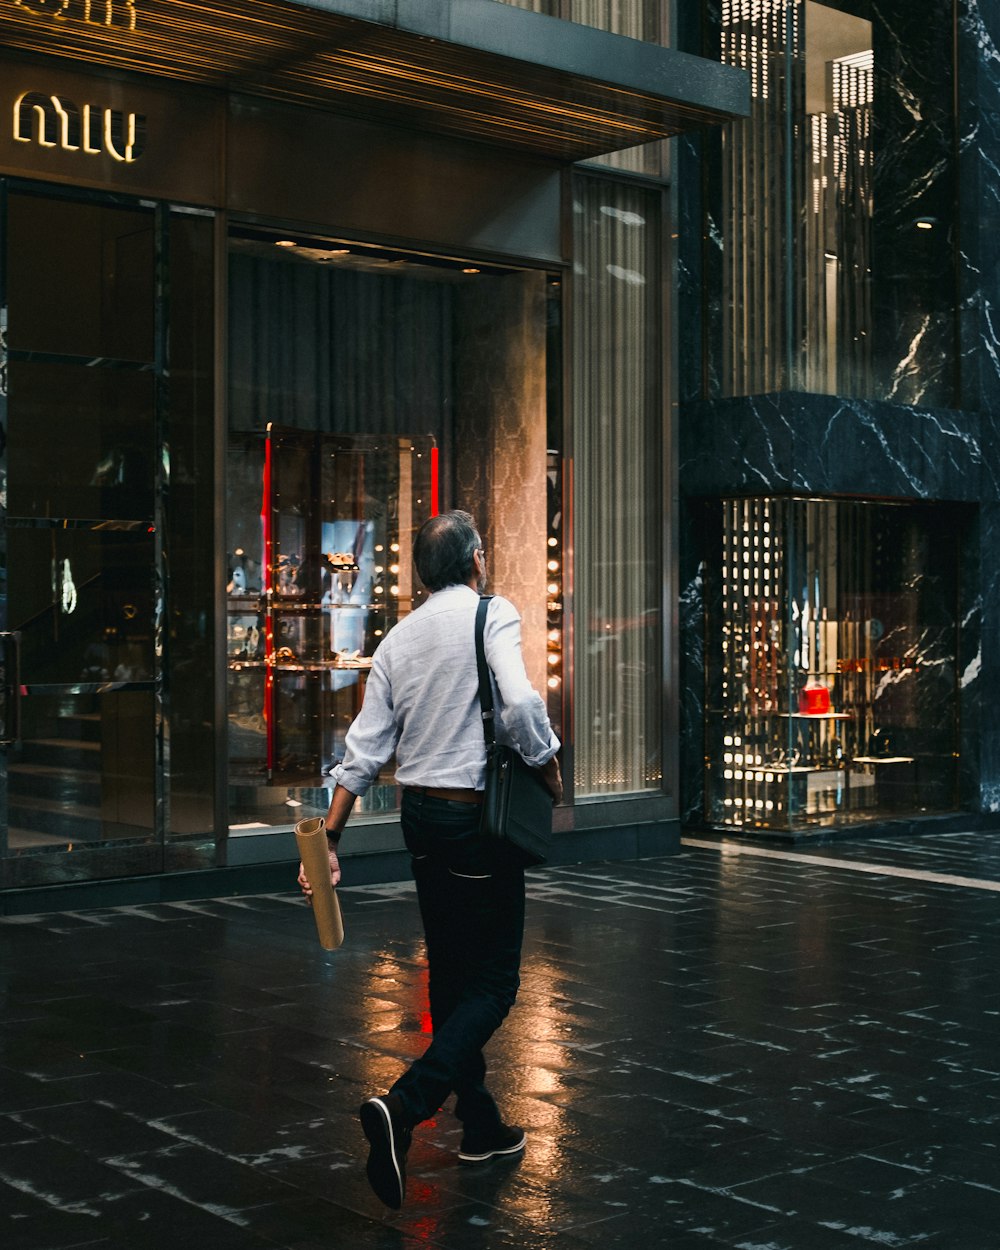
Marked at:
<point>80,386</point>
<point>368,389</point>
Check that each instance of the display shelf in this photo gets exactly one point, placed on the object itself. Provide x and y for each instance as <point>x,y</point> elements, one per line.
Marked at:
<point>883,759</point>
<point>323,572</point>
<point>813,715</point>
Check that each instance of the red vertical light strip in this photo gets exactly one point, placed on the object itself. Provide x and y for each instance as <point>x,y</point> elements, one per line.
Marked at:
<point>266,587</point>
<point>434,481</point>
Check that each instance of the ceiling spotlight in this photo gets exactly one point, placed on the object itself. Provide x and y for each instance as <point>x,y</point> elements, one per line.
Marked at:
<point>285,243</point>
<point>926,223</point>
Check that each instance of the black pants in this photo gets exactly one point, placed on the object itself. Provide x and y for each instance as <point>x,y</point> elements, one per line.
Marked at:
<point>473,915</point>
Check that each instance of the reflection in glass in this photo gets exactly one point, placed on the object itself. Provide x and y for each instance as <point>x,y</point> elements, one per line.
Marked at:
<point>100,260</point>
<point>836,194</point>
<point>81,779</point>
<point>190,535</point>
<point>618,493</point>
<point>83,601</point>
<point>320,567</point>
<point>832,676</point>
<point>81,442</point>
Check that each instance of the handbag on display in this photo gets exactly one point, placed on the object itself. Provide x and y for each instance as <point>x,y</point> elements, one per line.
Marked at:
<point>517,804</point>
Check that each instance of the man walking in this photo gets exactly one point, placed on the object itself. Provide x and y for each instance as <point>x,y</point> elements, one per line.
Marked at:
<point>422,701</point>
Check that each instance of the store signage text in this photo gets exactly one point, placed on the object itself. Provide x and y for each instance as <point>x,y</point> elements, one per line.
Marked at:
<point>52,122</point>
<point>115,13</point>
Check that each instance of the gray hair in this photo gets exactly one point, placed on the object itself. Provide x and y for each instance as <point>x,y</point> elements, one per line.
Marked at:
<point>444,548</point>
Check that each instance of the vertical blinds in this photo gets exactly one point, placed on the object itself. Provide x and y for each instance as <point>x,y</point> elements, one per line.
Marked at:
<point>618,488</point>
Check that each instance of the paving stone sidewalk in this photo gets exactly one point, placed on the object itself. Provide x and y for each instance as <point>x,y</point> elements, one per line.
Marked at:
<point>710,1050</point>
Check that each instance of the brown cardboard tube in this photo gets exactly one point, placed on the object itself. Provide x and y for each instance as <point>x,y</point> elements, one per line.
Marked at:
<point>310,834</point>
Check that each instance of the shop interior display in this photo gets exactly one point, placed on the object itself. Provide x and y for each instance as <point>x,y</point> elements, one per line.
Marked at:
<point>832,680</point>
<point>320,567</point>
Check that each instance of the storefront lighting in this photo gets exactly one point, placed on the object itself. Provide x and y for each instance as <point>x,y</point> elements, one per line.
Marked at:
<point>553,589</point>
<point>554,683</point>
<point>393,547</point>
<point>393,590</point>
<point>393,568</point>
<point>553,542</point>
<point>553,566</point>
<point>380,590</point>
<point>553,658</point>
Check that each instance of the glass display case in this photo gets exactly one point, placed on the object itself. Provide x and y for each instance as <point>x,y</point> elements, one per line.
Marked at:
<point>320,567</point>
<point>832,669</point>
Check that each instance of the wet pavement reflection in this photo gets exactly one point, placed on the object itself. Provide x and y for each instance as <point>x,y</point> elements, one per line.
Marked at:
<point>709,1050</point>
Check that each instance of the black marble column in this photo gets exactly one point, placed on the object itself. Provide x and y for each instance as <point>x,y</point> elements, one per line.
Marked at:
<point>914,227</point>
<point>932,430</point>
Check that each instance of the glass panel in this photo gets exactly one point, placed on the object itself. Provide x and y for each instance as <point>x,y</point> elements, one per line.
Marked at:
<point>101,262</point>
<point>618,489</point>
<point>832,682</point>
<point>835,204</point>
<point>311,594</point>
<point>190,522</point>
<point>80,540</point>
<point>81,782</point>
<point>81,442</point>
<point>83,601</point>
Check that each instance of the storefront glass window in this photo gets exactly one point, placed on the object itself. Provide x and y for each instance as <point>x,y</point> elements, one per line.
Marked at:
<point>833,210</point>
<point>107,537</point>
<point>832,674</point>
<point>370,389</point>
<point>617,488</point>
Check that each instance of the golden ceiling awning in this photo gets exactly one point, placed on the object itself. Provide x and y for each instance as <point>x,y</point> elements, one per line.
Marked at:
<point>470,68</point>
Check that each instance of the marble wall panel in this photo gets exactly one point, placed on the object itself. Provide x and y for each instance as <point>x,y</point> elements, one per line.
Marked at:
<point>825,444</point>
<point>914,179</point>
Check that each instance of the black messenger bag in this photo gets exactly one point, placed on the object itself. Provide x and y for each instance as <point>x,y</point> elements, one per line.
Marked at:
<point>517,804</point>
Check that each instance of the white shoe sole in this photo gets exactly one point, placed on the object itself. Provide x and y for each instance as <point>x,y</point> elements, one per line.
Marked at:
<point>467,1157</point>
<point>384,1173</point>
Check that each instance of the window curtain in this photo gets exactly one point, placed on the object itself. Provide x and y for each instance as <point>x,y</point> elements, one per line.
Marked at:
<point>617,488</point>
<point>338,351</point>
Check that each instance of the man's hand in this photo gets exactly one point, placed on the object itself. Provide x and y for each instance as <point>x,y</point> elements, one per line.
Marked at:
<point>304,885</point>
<point>553,779</point>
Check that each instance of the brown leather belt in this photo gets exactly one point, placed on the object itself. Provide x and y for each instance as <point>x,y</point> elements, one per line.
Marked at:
<point>453,796</point>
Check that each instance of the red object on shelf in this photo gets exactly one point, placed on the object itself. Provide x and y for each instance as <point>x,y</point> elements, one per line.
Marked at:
<point>814,700</point>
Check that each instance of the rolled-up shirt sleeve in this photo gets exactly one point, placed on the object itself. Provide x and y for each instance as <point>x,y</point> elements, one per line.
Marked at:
<point>524,720</point>
<point>372,736</point>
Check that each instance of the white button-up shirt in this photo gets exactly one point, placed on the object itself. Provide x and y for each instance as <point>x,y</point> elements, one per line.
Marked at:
<point>422,699</point>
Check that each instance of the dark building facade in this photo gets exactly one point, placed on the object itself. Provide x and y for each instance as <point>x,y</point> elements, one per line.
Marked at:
<point>278,281</point>
<point>694,304</point>
<point>838,457</point>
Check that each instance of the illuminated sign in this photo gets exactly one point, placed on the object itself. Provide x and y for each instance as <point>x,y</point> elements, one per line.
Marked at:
<point>119,13</point>
<point>55,123</point>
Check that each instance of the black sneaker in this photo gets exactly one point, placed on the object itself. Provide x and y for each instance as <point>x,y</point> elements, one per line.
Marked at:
<point>508,1139</point>
<point>390,1140</point>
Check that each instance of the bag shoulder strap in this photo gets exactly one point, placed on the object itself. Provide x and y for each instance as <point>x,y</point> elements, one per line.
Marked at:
<point>485,689</point>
